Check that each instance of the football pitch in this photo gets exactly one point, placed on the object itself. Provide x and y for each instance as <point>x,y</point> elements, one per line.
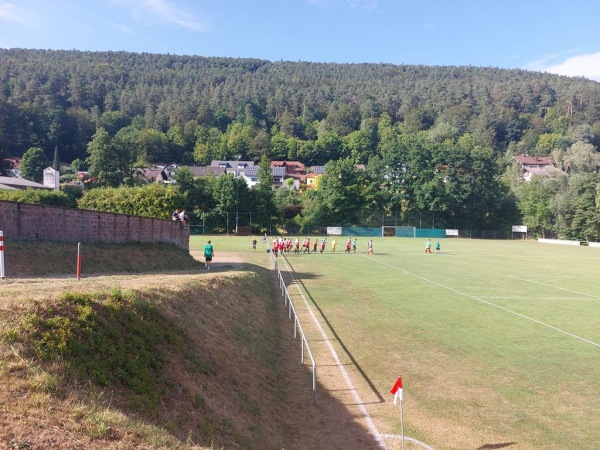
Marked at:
<point>497,342</point>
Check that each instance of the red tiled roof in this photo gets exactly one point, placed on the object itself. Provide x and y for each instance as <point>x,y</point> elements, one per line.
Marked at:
<point>290,166</point>
<point>534,160</point>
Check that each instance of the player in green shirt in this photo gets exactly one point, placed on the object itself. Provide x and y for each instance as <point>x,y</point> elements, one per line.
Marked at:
<point>208,255</point>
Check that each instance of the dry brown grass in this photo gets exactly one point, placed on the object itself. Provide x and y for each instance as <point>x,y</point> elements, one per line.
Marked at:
<point>35,259</point>
<point>237,381</point>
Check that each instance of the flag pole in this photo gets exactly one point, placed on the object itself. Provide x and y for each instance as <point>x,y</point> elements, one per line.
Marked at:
<point>397,392</point>
<point>402,422</point>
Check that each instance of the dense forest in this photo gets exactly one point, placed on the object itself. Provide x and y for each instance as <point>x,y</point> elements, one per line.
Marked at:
<point>436,141</point>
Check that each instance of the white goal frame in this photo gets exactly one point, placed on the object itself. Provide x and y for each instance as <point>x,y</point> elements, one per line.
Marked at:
<point>392,231</point>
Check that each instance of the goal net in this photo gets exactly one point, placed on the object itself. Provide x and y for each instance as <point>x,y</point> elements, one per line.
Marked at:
<point>390,231</point>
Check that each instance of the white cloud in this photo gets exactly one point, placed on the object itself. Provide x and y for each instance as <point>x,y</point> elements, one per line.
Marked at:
<point>586,65</point>
<point>12,13</point>
<point>164,10</point>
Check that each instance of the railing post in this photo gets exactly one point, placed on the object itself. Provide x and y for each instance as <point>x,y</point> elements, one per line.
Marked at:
<point>297,326</point>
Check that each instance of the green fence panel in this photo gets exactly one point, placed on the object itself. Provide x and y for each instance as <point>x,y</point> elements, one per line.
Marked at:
<point>431,232</point>
<point>405,232</point>
<point>361,231</point>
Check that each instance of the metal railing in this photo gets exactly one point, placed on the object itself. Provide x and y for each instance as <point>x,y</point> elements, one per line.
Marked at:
<point>297,325</point>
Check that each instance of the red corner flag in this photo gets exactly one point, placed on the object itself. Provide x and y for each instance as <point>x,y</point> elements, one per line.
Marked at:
<point>396,391</point>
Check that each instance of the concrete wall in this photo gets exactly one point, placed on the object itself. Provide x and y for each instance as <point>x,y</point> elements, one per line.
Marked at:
<point>53,223</point>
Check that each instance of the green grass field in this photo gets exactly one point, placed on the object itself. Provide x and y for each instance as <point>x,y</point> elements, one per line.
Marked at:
<point>497,342</point>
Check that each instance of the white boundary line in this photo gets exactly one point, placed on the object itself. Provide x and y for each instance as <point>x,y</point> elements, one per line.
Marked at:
<point>342,369</point>
<point>587,341</point>
<point>535,298</point>
<point>406,438</point>
<point>576,277</point>
<point>554,287</point>
<point>378,436</point>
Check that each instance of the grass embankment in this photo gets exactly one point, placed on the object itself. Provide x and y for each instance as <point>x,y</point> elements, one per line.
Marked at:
<point>32,259</point>
<point>160,361</point>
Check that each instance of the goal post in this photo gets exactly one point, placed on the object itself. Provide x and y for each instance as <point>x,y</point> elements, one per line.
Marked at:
<point>396,231</point>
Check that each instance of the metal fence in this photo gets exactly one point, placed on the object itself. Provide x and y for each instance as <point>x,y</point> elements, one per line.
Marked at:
<point>297,326</point>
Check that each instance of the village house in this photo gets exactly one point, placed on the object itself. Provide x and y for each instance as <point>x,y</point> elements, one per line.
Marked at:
<point>312,177</point>
<point>206,171</point>
<point>14,183</point>
<point>277,174</point>
<point>535,165</point>
<point>236,167</point>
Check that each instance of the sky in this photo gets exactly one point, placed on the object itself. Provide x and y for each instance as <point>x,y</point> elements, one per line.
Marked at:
<point>555,36</point>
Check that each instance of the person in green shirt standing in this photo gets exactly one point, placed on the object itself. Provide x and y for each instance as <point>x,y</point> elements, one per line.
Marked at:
<point>208,255</point>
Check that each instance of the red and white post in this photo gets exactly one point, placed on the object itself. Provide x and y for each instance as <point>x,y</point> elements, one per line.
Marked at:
<point>397,392</point>
<point>1,254</point>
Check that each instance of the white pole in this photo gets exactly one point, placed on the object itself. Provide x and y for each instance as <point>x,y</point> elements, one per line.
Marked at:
<point>78,269</point>
<point>402,422</point>
<point>1,254</point>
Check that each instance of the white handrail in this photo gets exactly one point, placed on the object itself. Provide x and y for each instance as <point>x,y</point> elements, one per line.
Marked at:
<point>297,325</point>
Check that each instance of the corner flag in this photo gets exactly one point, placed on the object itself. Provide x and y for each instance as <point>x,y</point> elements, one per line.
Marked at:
<point>396,391</point>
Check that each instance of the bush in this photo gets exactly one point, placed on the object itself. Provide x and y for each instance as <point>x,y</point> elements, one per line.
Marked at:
<point>38,196</point>
<point>152,200</point>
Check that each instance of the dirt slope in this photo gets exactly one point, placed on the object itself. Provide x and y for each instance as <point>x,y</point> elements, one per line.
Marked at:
<point>232,375</point>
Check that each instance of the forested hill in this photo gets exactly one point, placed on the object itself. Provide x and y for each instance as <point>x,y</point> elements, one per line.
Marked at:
<point>199,108</point>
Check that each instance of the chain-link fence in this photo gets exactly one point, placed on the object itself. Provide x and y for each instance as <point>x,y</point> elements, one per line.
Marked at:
<point>369,223</point>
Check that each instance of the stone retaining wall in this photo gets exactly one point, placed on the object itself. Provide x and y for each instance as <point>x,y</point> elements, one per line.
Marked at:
<point>22,221</point>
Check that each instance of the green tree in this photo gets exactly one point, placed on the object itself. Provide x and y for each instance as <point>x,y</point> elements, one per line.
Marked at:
<point>102,159</point>
<point>359,145</point>
<point>581,157</point>
<point>575,208</point>
<point>340,197</point>
<point>328,147</point>
<point>125,146</point>
<point>152,145</point>
<point>548,142</point>
<point>239,140</point>
<point>33,163</point>
<point>231,197</point>
<point>113,121</point>
<point>56,161</point>
<point>209,145</point>
<point>197,191</point>
<point>535,200</point>
<point>265,208</point>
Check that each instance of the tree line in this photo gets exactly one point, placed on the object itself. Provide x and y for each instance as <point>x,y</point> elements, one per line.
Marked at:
<point>434,140</point>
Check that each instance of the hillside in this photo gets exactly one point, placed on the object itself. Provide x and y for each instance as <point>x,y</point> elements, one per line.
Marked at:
<point>57,100</point>
<point>409,145</point>
<point>192,360</point>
